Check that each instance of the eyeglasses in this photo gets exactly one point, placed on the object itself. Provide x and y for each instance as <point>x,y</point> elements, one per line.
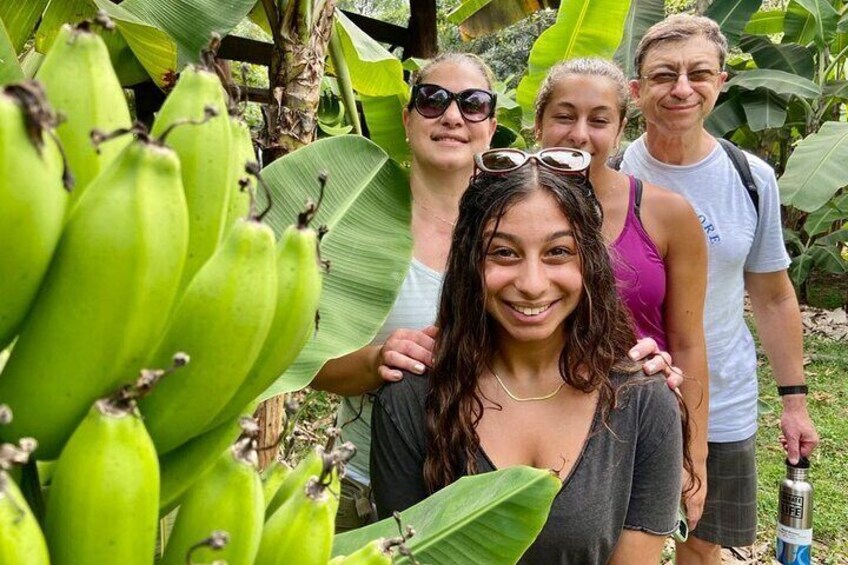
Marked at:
<point>432,100</point>
<point>564,160</point>
<point>697,76</point>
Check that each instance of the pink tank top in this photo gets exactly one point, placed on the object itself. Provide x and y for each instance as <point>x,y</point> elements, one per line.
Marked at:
<point>639,272</point>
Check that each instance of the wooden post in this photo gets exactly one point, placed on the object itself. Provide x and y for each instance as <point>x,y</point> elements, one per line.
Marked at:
<point>423,35</point>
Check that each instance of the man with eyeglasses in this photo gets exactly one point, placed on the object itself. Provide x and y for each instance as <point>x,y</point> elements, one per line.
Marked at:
<point>679,63</point>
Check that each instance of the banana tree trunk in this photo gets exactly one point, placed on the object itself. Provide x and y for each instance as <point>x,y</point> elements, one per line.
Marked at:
<point>301,31</point>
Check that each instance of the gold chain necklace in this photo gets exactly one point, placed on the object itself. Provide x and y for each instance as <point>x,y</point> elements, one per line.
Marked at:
<point>528,399</point>
<point>432,213</point>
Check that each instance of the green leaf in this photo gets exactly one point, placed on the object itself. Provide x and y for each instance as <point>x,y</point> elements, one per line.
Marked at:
<point>584,28</point>
<point>779,82</point>
<point>836,89</point>
<point>10,70</point>
<point>155,50</point>
<point>414,64</point>
<point>366,207</point>
<point>383,115</point>
<point>190,23</point>
<point>487,518</point>
<point>788,57</point>
<point>809,21</point>
<point>842,26</point>
<point>727,115</point>
<point>816,169</point>
<point>800,267</point>
<point>373,70</point>
<point>763,109</point>
<point>828,258</point>
<point>765,23</point>
<point>477,18</point>
<point>822,219</point>
<point>732,16</point>
<point>642,15</point>
<point>20,18</point>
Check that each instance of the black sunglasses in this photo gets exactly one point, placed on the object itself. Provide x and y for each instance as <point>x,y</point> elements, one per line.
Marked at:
<point>432,100</point>
<point>563,160</point>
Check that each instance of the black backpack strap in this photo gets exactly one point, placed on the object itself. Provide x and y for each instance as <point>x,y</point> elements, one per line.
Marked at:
<point>637,200</point>
<point>743,168</point>
<point>615,161</point>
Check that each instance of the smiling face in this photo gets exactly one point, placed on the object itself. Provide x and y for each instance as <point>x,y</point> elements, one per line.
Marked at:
<point>449,142</point>
<point>679,107</point>
<point>583,111</point>
<point>532,271</point>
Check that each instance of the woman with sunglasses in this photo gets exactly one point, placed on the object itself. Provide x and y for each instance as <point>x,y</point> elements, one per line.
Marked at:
<point>449,119</point>
<point>655,239</point>
<point>531,368</point>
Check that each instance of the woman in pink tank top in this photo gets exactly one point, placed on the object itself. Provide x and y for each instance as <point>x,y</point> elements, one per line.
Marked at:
<point>654,237</point>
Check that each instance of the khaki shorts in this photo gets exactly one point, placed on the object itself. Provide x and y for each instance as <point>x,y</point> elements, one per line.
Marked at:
<point>356,509</point>
<point>730,511</point>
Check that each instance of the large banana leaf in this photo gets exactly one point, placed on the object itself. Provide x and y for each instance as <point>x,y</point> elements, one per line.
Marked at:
<point>583,28</point>
<point>764,109</point>
<point>20,18</point>
<point>769,22</point>
<point>816,169</point>
<point>57,14</point>
<point>642,15</point>
<point>366,207</point>
<point>788,57</point>
<point>490,518</point>
<point>732,16</point>
<point>383,115</point>
<point>477,18</point>
<point>810,21</point>
<point>728,114</point>
<point>10,70</point>
<point>190,23</point>
<point>155,50</point>
<point>821,220</point>
<point>779,82</point>
<point>836,89</point>
<point>373,70</point>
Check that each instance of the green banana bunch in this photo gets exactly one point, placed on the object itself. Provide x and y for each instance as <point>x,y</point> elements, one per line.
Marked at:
<point>300,532</point>
<point>204,157</point>
<point>32,201</point>
<point>273,478</point>
<point>227,498</point>
<point>180,468</point>
<point>221,321</point>
<point>79,80</point>
<point>21,540</point>
<point>377,552</point>
<point>105,300</point>
<point>298,292</point>
<point>242,153</point>
<point>309,466</point>
<point>104,496</point>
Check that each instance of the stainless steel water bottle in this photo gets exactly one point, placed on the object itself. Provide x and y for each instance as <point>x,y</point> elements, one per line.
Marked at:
<point>795,519</point>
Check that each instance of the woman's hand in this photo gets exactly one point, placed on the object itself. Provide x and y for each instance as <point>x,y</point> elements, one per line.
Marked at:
<point>406,350</point>
<point>656,361</point>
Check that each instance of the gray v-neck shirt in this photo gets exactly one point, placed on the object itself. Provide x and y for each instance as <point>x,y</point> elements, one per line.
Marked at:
<point>628,474</point>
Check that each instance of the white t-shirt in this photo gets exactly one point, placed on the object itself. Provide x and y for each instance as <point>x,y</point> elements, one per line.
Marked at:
<point>737,242</point>
<point>415,309</point>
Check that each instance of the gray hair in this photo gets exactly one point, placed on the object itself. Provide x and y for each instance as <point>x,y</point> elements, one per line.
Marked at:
<point>680,27</point>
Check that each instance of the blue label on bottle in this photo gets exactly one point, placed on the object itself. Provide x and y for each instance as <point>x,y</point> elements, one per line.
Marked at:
<point>792,554</point>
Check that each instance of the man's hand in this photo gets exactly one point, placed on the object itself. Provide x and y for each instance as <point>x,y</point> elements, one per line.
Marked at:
<point>406,350</point>
<point>799,434</point>
<point>656,361</point>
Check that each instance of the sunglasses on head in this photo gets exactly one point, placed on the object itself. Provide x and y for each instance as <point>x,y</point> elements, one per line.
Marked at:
<point>432,100</point>
<point>563,160</point>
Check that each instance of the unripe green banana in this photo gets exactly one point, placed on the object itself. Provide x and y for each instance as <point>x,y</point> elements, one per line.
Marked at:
<point>228,498</point>
<point>204,157</point>
<point>376,552</point>
<point>221,321</point>
<point>32,204</point>
<point>300,532</point>
<point>180,468</point>
<point>296,480</point>
<point>242,152</point>
<point>104,496</point>
<point>80,82</point>
<point>105,299</point>
<point>298,293</point>
<point>273,478</point>
<point>21,540</point>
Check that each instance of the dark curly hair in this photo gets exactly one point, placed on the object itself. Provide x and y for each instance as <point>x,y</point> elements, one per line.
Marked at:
<point>599,333</point>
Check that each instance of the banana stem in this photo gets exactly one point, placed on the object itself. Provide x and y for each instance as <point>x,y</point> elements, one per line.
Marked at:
<point>344,80</point>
